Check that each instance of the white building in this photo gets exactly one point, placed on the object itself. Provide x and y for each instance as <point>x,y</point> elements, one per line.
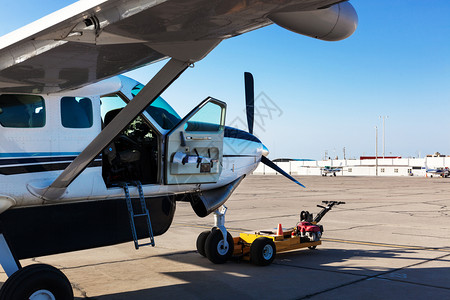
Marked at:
<point>365,167</point>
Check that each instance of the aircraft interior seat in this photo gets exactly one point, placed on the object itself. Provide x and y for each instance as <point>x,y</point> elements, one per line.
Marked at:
<point>86,104</point>
<point>38,119</point>
<point>14,113</point>
<point>124,159</point>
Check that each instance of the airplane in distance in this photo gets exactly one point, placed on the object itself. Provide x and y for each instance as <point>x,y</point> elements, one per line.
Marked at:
<point>330,170</point>
<point>442,172</point>
<point>90,158</point>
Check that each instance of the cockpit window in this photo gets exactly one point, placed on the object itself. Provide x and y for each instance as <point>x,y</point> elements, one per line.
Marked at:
<point>22,111</point>
<point>160,111</point>
<point>210,117</point>
<point>76,112</point>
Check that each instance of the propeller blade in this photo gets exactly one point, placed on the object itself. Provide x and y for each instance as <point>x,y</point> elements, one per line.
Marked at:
<point>272,165</point>
<point>249,100</point>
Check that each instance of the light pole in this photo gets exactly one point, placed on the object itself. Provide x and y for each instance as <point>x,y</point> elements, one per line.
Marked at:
<point>376,151</point>
<point>384,145</point>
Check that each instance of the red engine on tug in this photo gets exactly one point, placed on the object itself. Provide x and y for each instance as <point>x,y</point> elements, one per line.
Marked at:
<point>308,230</point>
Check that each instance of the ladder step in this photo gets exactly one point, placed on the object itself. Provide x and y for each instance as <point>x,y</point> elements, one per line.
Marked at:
<point>140,215</point>
<point>132,215</point>
<point>146,244</point>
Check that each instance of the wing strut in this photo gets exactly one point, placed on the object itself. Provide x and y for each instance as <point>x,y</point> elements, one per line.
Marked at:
<point>169,73</point>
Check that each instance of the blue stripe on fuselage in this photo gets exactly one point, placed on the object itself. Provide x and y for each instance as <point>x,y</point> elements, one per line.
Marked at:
<point>235,133</point>
<point>37,154</point>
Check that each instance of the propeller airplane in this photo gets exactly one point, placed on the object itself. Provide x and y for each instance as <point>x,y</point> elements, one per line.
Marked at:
<point>330,170</point>
<point>86,153</point>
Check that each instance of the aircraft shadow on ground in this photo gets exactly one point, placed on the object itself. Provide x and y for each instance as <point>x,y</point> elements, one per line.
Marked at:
<point>301,273</point>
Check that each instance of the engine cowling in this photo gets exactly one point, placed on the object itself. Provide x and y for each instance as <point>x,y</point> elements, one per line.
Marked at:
<point>208,201</point>
<point>333,23</point>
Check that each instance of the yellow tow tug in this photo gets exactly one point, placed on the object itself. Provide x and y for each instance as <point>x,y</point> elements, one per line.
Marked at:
<point>260,247</point>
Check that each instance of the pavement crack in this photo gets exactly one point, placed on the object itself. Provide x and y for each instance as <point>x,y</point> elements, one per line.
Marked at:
<point>405,247</point>
<point>353,227</point>
<point>129,260</point>
<point>81,291</point>
<point>415,234</point>
<point>317,269</point>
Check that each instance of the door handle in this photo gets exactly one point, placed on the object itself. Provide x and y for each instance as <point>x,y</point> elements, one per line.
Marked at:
<point>204,138</point>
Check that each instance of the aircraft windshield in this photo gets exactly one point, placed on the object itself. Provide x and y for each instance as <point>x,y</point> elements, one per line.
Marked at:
<point>160,111</point>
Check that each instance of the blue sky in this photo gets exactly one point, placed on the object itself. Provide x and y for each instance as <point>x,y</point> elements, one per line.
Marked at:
<point>329,94</point>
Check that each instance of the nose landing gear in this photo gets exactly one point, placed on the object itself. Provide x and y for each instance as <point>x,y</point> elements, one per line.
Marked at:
<point>216,244</point>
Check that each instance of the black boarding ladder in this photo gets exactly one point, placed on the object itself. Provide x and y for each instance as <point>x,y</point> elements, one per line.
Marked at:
<point>144,213</point>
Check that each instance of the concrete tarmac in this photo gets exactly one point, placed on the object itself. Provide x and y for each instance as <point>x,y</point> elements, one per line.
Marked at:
<point>390,240</point>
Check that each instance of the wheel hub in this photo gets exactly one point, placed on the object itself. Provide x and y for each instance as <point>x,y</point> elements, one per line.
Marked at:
<point>267,252</point>
<point>222,247</point>
<point>42,295</point>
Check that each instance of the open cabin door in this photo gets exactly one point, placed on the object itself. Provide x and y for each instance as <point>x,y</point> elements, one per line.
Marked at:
<point>194,147</point>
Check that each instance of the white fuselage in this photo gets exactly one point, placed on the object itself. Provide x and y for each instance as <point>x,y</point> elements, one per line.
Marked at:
<point>32,158</point>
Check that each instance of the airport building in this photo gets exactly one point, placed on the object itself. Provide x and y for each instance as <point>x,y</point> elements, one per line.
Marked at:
<point>365,166</point>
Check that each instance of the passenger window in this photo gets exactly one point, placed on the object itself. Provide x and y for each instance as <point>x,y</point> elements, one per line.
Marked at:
<point>76,112</point>
<point>210,117</point>
<point>22,111</point>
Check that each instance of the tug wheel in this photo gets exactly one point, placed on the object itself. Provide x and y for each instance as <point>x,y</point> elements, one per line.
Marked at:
<point>262,251</point>
<point>215,248</point>
<point>313,236</point>
<point>201,240</point>
<point>38,281</point>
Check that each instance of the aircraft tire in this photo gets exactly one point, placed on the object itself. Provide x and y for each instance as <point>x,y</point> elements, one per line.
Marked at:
<point>262,251</point>
<point>214,249</point>
<point>201,241</point>
<point>312,247</point>
<point>36,282</point>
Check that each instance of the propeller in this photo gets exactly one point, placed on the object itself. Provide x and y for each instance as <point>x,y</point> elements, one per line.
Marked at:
<point>250,109</point>
<point>249,100</point>
<point>272,165</point>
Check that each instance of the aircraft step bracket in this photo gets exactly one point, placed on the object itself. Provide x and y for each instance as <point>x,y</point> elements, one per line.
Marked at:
<point>144,213</point>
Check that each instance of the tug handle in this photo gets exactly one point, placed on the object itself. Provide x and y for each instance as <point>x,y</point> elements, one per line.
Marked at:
<point>326,209</point>
<point>333,202</point>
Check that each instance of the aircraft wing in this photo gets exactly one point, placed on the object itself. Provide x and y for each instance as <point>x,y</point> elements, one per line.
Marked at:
<point>92,40</point>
